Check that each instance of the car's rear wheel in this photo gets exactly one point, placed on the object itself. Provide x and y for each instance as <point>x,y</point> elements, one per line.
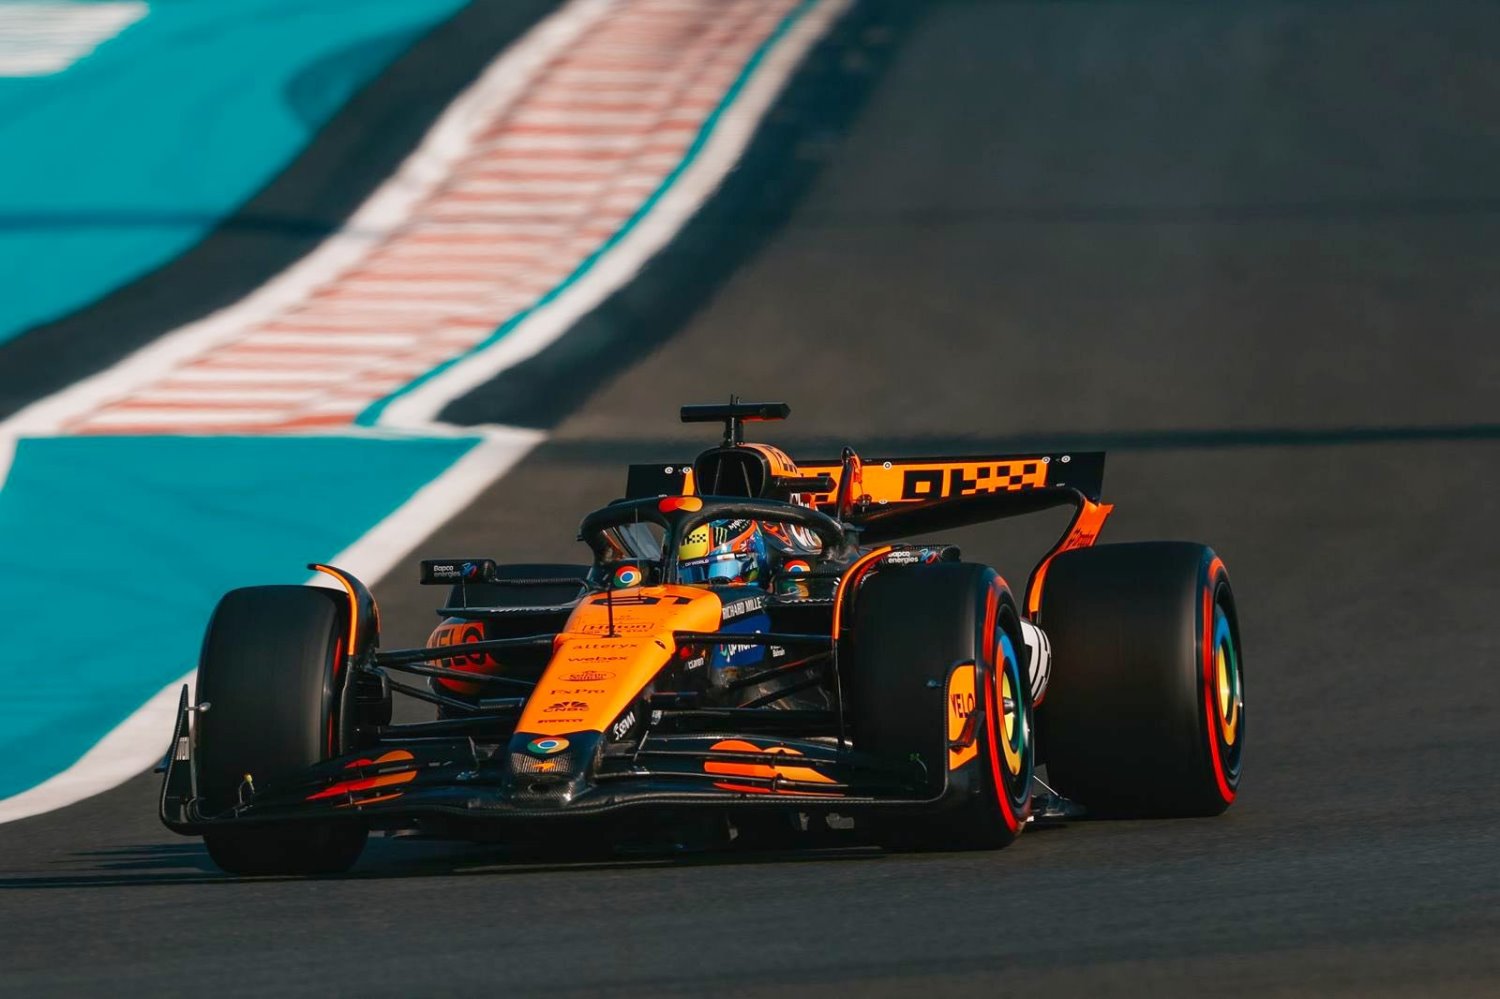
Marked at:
<point>936,677</point>
<point>269,676</point>
<point>1145,712</point>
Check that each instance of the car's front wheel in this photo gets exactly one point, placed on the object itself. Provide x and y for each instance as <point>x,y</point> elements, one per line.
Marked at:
<point>937,678</point>
<point>270,679</point>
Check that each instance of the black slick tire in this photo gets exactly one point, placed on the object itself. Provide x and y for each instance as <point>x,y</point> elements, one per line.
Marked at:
<point>268,674</point>
<point>915,632</point>
<point>1144,716</point>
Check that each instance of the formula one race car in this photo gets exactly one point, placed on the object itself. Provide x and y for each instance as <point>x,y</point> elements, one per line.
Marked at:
<point>752,650</point>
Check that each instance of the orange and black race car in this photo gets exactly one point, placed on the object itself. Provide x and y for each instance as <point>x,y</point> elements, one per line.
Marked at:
<point>753,654</point>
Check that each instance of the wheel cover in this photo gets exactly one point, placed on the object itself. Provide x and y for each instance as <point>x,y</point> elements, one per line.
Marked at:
<point>1227,672</point>
<point>1014,730</point>
<point>1221,686</point>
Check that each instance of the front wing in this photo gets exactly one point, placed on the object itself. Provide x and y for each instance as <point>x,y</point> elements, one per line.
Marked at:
<point>457,784</point>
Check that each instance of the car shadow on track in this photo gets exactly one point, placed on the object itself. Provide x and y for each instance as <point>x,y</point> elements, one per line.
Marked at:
<point>157,864</point>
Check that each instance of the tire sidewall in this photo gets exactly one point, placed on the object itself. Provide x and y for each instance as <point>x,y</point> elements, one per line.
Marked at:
<point>270,715</point>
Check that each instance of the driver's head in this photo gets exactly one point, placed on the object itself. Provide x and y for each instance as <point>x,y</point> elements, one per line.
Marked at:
<point>724,552</point>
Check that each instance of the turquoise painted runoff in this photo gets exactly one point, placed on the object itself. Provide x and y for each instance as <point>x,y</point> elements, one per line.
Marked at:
<point>121,162</point>
<point>114,550</point>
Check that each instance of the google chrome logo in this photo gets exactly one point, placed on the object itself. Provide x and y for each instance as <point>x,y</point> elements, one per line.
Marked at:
<point>627,575</point>
<point>546,747</point>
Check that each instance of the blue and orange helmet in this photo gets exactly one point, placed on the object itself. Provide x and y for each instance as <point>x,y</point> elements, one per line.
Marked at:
<point>724,553</point>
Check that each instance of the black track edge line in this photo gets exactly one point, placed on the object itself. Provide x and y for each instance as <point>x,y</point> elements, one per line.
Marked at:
<point>361,145</point>
<point>784,157</point>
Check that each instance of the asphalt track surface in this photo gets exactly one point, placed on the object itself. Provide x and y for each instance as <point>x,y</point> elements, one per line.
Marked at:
<point>1249,248</point>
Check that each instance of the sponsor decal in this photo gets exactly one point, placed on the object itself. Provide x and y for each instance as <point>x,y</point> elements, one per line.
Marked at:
<point>467,571</point>
<point>621,627</point>
<point>588,676</point>
<point>567,691</point>
<point>742,653</point>
<point>911,482</point>
<point>738,654</point>
<point>963,704</point>
<point>547,746</point>
<point>1080,538</point>
<point>962,744</point>
<point>671,503</point>
<point>971,479</point>
<point>903,557</point>
<point>729,530</point>
<point>743,606</point>
<point>596,659</point>
<point>566,706</point>
<point>627,576</point>
<point>461,633</point>
<point>796,565</point>
<point>696,662</point>
<point>622,728</point>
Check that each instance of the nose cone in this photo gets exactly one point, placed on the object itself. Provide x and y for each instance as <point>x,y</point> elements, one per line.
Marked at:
<point>551,770</point>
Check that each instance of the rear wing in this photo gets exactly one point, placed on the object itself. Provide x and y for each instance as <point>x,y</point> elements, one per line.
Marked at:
<point>922,480</point>
<point>913,480</point>
<point>892,498</point>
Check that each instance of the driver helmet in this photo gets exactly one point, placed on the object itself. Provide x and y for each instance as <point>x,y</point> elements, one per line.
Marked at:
<point>724,553</point>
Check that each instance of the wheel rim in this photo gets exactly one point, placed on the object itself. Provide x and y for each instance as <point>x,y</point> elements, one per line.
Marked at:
<point>1230,699</point>
<point>1014,730</point>
<point>1222,686</point>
